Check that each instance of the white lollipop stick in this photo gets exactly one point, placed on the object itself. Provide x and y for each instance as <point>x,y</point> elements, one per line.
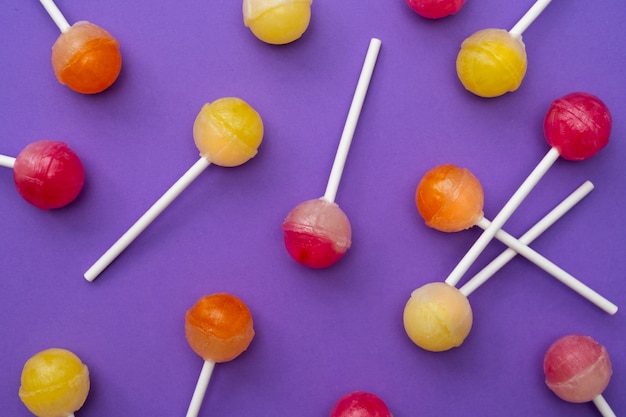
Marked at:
<point>55,14</point>
<point>506,212</point>
<point>552,269</point>
<point>201,386</point>
<point>603,407</point>
<point>529,17</point>
<point>7,161</point>
<point>143,222</point>
<point>353,117</point>
<point>527,238</point>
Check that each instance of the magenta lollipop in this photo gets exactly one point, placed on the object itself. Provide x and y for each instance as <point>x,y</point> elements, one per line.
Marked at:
<point>576,126</point>
<point>317,233</point>
<point>578,370</point>
<point>47,174</point>
<point>360,404</point>
<point>435,9</point>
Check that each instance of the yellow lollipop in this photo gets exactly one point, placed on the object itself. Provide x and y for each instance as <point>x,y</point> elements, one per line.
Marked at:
<point>493,62</point>
<point>55,383</point>
<point>277,21</point>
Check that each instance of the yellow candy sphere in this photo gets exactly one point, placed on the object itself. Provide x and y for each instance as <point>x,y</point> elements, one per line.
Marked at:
<point>228,132</point>
<point>437,317</point>
<point>55,383</point>
<point>277,21</point>
<point>491,62</point>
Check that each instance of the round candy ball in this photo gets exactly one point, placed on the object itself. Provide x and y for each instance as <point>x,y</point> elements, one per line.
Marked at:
<point>491,62</point>
<point>219,327</point>
<point>577,368</point>
<point>578,125</point>
<point>277,22</point>
<point>54,383</point>
<point>86,58</point>
<point>228,132</point>
<point>317,233</point>
<point>48,174</point>
<point>437,317</point>
<point>449,198</point>
<point>360,404</point>
<point>435,9</point>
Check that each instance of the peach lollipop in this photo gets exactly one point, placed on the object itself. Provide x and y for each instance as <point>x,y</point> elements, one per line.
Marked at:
<point>438,316</point>
<point>47,174</point>
<point>219,328</point>
<point>450,199</point>
<point>54,383</point>
<point>85,57</point>
<point>317,233</point>
<point>227,133</point>
<point>493,62</point>
<point>576,126</point>
<point>578,369</point>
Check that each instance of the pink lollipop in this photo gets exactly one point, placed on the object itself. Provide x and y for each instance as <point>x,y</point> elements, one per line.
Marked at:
<point>577,126</point>
<point>435,9</point>
<point>47,174</point>
<point>360,404</point>
<point>578,370</point>
<point>317,233</point>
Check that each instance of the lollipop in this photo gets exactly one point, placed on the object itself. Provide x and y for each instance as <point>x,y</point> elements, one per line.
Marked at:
<point>360,404</point>
<point>435,9</point>
<point>85,57</point>
<point>578,370</point>
<point>317,233</point>
<point>493,62</point>
<point>227,133</point>
<point>47,174</point>
<point>218,328</point>
<point>277,22</point>
<point>438,316</point>
<point>55,383</point>
<point>576,126</point>
<point>450,199</point>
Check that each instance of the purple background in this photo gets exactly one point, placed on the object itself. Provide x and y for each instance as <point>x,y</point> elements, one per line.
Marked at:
<point>319,334</point>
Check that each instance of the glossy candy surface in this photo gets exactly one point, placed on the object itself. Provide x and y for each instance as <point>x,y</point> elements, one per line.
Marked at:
<point>578,125</point>
<point>577,368</point>
<point>360,404</point>
<point>317,233</point>
<point>435,9</point>
<point>48,174</point>
<point>54,383</point>
<point>86,58</point>
<point>449,198</point>
<point>491,62</point>
<point>277,21</point>
<point>228,132</point>
<point>219,327</point>
<point>437,317</point>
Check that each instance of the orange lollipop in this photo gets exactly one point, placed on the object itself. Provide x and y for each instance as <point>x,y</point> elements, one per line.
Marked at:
<point>85,57</point>
<point>218,328</point>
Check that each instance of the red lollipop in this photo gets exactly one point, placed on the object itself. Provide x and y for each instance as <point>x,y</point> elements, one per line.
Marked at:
<point>360,404</point>
<point>47,174</point>
<point>435,9</point>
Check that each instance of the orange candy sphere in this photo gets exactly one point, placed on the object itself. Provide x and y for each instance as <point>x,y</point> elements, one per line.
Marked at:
<point>86,58</point>
<point>449,198</point>
<point>219,327</point>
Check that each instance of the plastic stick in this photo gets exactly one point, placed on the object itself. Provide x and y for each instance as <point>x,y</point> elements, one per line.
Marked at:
<point>201,386</point>
<point>506,212</point>
<point>603,407</point>
<point>527,238</point>
<point>352,119</point>
<point>7,161</point>
<point>529,17</point>
<point>145,220</point>
<point>55,14</point>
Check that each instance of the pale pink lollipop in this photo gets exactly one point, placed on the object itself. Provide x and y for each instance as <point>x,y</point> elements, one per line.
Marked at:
<point>576,127</point>
<point>578,369</point>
